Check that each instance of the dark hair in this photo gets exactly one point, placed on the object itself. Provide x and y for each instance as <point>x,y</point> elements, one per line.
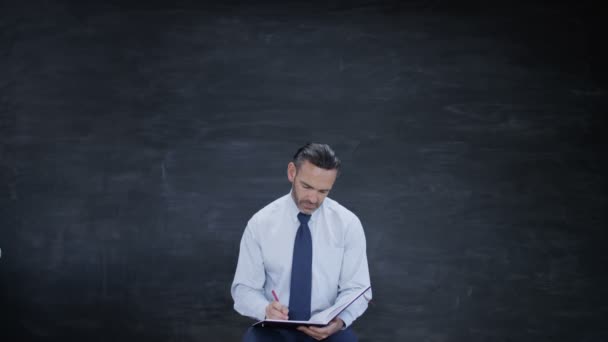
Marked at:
<point>320,155</point>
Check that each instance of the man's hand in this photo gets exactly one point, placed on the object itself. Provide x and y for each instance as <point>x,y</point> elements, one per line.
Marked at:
<point>275,310</point>
<point>319,333</point>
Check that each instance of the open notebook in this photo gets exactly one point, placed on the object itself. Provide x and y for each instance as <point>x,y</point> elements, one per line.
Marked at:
<point>319,319</point>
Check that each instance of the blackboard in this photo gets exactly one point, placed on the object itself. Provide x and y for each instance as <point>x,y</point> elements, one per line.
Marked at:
<point>136,140</point>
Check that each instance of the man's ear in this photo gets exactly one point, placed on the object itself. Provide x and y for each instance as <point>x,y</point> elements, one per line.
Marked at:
<point>291,171</point>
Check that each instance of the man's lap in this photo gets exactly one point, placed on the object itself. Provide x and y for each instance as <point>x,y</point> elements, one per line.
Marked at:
<point>287,335</point>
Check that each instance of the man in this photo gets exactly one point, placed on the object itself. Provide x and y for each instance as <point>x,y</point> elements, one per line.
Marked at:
<point>300,254</point>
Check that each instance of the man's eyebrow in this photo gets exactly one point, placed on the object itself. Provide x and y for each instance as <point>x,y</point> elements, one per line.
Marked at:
<point>310,186</point>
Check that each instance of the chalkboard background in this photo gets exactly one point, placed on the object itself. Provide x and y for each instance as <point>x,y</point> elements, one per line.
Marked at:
<point>137,138</point>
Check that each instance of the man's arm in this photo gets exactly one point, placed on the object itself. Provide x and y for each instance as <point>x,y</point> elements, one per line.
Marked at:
<point>248,285</point>
<point>354,274</point>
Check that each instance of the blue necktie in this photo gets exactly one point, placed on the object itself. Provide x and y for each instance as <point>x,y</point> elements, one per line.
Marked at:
<point>301,272</point>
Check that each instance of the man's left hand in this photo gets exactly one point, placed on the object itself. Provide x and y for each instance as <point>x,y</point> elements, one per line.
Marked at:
<point>319,333</point>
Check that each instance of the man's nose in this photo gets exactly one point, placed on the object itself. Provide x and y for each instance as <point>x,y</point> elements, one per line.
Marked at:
<point>313,198</point>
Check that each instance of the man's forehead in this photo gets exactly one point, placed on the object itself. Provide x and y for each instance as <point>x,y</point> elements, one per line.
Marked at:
<point>316,176</point>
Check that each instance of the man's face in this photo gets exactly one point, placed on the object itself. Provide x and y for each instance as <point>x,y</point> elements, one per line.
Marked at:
<point>310,185</point>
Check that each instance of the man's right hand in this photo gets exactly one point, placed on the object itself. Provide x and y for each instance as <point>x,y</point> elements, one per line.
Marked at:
<point>276,310</point>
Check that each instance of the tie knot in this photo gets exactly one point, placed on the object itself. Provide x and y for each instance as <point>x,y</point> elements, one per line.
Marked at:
<point>303,218</point>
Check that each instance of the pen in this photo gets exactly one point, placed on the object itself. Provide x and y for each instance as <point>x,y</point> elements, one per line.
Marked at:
<point>274,294</point>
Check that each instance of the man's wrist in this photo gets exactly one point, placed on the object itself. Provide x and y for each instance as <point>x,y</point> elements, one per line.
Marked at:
<point>341,324</point>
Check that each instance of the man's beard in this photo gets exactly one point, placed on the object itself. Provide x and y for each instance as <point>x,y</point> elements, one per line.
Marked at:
<point>303,204</point>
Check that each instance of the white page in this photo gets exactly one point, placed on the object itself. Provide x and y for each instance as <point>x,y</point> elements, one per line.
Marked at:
<point>328,314</point>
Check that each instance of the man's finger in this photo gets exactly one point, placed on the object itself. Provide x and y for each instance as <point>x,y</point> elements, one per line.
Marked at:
<point>280,308</point>
<point>279,314</point>
<point>276,311</point>
<point>312,333</point>
<point>283,309</point>
<point>318,330</point>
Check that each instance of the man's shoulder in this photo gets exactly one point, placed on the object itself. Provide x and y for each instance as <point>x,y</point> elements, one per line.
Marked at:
<point>271,209</point>
<point>334,208</point>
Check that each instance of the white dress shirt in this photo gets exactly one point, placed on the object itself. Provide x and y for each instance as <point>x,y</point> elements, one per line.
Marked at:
<point>339,260</point>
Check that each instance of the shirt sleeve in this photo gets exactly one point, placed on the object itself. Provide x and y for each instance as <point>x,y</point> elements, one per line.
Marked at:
<point>355,273</point>
<point>248,285</point>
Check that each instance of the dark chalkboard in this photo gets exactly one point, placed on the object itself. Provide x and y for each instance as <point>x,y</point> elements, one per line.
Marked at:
<point>136,140</point>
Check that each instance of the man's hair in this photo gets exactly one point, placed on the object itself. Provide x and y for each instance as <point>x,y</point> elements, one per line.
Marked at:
<point>320,155</point>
